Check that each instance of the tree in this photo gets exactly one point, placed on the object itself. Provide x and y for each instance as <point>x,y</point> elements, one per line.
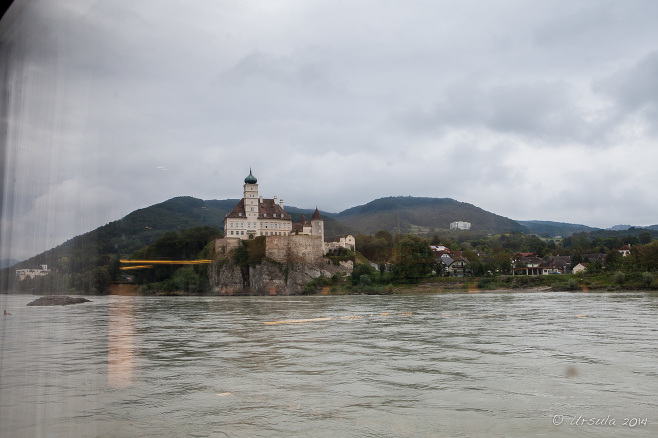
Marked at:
<point>631,240</point>
<point>100,280</point>
<point>613,260</point>
<point>412,259</point>
<point>645,238</point>
<point>115,268</point>
<point>575,260</point>
<point>649,256</point>
<point>383,234</point>
<point>500,262</point>
<point>360,270</point>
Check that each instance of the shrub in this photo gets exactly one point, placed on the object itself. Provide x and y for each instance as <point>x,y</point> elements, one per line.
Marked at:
<point>314,285</point>
<point>374,290</point>
<point>573,284</point>
<point>619,277</point>
<point>486,283</point>
<point>647,279</point>
<point>359,271</point>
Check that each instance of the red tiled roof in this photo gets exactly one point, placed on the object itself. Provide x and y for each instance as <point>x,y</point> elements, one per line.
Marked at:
<point>266,210</point>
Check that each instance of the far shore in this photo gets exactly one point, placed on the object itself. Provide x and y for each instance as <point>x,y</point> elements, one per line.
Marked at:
<point>418,289</point>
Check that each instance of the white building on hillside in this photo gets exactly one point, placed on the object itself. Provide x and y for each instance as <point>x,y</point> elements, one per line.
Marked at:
<point>24,273</point>
<point>347,242</point>
<point>460,225</point>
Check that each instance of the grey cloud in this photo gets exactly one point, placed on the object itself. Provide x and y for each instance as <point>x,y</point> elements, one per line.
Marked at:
<point>634,88</point>
<point>541,110</point>
<point>104,91</point>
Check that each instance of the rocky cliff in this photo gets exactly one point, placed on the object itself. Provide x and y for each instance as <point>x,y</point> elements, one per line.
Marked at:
<point>267,278</point>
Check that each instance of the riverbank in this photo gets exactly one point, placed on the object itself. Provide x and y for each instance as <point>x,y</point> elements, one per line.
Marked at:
<point>601,282</point>
<point>542,283</point>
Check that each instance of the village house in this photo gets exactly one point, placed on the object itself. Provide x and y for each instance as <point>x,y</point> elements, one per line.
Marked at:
<point>561,263</point>
<point>529,263</point>
<point>458,267</point>
<point>625,250</point>
<point>580,267</point>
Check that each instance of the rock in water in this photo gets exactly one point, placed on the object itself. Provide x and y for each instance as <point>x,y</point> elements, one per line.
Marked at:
<point>57,300</point>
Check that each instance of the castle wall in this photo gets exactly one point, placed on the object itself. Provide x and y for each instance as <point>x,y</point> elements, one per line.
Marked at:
<point>294,248</point>
<point>226,244</point>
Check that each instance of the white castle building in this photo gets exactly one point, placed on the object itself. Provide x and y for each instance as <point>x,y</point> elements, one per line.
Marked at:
<point>255,216</point>
<point>22,274</point>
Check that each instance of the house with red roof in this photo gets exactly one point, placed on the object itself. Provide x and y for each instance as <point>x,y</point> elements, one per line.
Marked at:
<point>625,250</point>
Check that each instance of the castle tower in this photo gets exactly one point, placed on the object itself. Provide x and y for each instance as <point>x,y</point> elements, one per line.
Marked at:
<point>251,196</point>
<point>317,226</point>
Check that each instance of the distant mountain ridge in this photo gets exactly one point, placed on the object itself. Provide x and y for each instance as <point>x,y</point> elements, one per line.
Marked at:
<point>555,229</point>
<point>5,263</point>
<point>401,214</point>
<point>405,214</point>
<point>626,227</point>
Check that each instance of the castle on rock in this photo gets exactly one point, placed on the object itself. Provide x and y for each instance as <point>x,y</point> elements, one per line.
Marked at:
<point>256,216</point>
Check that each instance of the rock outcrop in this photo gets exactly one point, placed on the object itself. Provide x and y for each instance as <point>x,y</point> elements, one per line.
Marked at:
<point>267,278</point>
<point>57,300</point>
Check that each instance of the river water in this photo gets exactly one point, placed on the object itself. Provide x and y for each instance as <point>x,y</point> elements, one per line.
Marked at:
<point>442,365</point>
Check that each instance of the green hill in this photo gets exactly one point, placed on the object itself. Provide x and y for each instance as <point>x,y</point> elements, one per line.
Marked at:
<point>88,256</point>
<point>411,214</point>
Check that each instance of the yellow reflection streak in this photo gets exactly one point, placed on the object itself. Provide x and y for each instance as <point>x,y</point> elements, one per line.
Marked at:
<point>350,317</point>
<point>169,262</point>
<point>126,268</point>
<point>297,321</point>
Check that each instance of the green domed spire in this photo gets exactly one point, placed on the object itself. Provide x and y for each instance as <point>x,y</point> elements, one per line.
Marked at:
<point>250,179</point>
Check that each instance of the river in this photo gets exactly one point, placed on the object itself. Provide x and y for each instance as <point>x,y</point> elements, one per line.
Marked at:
<point>433,365</point>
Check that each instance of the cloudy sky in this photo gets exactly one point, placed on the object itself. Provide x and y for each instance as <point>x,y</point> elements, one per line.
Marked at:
<point>531,110</point>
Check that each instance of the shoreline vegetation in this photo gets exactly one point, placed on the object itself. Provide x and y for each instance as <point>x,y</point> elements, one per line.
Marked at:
<point>383,264</point>
<point>542,283</point>
<point>342,285</point>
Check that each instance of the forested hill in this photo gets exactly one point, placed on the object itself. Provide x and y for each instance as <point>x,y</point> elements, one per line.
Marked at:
<point>554,229</point>
<point>407,214</point>
<point>143,227</point>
